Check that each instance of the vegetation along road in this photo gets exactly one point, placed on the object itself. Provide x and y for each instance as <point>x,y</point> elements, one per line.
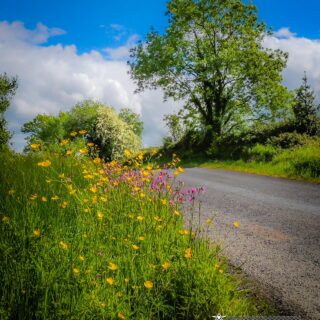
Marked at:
<point>278,241</point>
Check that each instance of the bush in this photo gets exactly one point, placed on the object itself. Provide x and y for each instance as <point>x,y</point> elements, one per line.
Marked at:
<point>262,153</point>
<point>288,140</point>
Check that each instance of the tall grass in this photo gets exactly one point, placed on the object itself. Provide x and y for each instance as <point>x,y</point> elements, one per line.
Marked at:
<point>80,239</point>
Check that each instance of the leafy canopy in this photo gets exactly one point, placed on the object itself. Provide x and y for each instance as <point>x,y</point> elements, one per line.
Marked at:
<point>211,57</point>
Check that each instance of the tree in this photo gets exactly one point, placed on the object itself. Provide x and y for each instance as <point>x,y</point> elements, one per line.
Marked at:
<point>305,109</point>
<point>176,128</point>
<point>8,88</point>
<point>132,119</point>
<point>211,56</point>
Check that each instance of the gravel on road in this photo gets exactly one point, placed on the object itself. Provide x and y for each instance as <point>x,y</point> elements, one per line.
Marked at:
<point>278,241</point>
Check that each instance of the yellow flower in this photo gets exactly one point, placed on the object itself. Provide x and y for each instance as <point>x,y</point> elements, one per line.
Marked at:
<point>64,204</point>
<point>135,247</point>
<point>221,270</point>
<point>180,169</point>
<point>176,172</point>
<point>35,145</point>
<point>63,245</point>
<point>127,153</point>
<point>142,195</point>
<point>157,218</point>
<point>54,198</point>
<point>33,197</point>
<point>5,219</point>
<point>188,253</point>
<point>110,281</point>
<point>140,218</point>
<point>44,199</point>
<point>37,233</point>
<point>141,238</point>
<point>90,144</point>
<point>217,266</point>
<point>11,192</point>
<point>126,280</point>
<point>148,284</point>
<point>48,181</point>
<point>166,265</point>
<point>84,151</point>
<point>96,160</point>
<point>69,152</point>
<point>103,199</point>
<point>81,258</point>
<point>61,175</point>
<point>184,232</point>
<point>236,224</point>
<point>76,270</point>
<point>94,199</point>
<point>64,142</point>
<point>208,221</point>
<point>73,133</point>
<point>121,316</point>
<point>100,215</point>
<point>164,201</point>
<point>46,163</point>
<point>176,213</point>
<point>112,266</point>
<point>93,189</point>
<point>82,131</point>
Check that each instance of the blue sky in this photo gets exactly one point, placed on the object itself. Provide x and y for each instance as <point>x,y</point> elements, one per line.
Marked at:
<point>66,51</point>
<point>87,23</point>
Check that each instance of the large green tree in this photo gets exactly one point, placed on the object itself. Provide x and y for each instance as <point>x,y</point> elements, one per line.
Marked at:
<point>8,88</point>
<point>211,56</point>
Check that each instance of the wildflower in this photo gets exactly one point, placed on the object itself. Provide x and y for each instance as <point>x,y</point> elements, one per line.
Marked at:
<point>5,219</point>
<point>94,199</point>
<point>61,175</point>
<point>103,199</point>
<point>208,221</point>
<point>217,266</point>
<point>135,247</point>
<point>180,169</point>
<point>141,238</point>
<point>140,218</point>
<point>93,189</point>
<point>44,199</point>
<point>33,197</point>
<point>148,284</point>
<point>100,215</point>
<point>184,232</point>
<point>64,204</point>
<point>81,258</point>
<point>64,142</point>
<point>46,163</point>
<point>127,153</point>
<point>140,156</point>
<point>236,224</point>
<point>188,253</point>
<point>96,160</point>
<point>35,145</point>
<point>76,270</point>
<point>176,172</point>
<point>126,280</point>
<point>142,195</point>
<point>48,181</point>
<point>84,151</point>
<point>121,316</point>
<point>82,132</point>
<point>166,265</point>
<point>73,133</point>
<point>164,201</point>
<point>37,233</point>
<point>69,152</point>
<point>221,270</point>
<point>63,245</point>
<point>90,144</point>
<point>176,213</point>
<point>157,218</point>
<point>112,266</point>
<point>110,281</point>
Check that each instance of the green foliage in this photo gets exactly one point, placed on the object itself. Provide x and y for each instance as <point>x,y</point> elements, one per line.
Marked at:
<point>305,110</point>
<point>288,140</point>
<point>176,128</point>
<point>262,153</point>
<point>115,135</point>
<point>8,87</point>
<point>132,119</point>
<point>211,56</point>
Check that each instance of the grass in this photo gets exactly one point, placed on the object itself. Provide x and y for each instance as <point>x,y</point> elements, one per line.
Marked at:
<point>301,163</point>
<point>80,239</point>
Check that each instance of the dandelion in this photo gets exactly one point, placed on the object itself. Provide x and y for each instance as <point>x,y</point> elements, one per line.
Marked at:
<point>121,316</point>
<point>166,265</point>
<point>69,152</point>
<point>44,164</point>
<point>180,169</point>
<point>55,198</point>
<point>140,218</point>
<point>127,153</point>
<point>82,132</point>
<point>141,238</point>
<point>90,144</point>
<point>61,175</point>
<point>103,199</point>
<point>148,284</point>
<point>188,253</point>
<point>164,201</point>
<point>142,195</point>
<point>208,221</point>
<point>73,133</point>
<point>96,160</point>
<point>135,247</point>
<point>37,233</point>
<point>64,142</point>
<point>33,197</point>
<point>176,213</point>
<point>126,280</point>
<point>81,258</point>
<point>184,232</point>
<point>44,199</point>
<point>217,266</point>
<point>5,219</point>
<point>64,246</point>
<point>112,266</point>
<point>236,224</point>
<point>110,281</point>
<point>100,215</point>
<point>93,189</point>
<point>221,271</point>
<point>64,204</point>
<point>35,146</point>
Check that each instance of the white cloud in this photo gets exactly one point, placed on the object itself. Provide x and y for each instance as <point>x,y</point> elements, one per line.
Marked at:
<point>284,33</point>
<point>54,78</point>
<point>122,52</point>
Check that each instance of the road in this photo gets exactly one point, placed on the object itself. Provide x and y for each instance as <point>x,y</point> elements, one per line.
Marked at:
<point>278,241</point>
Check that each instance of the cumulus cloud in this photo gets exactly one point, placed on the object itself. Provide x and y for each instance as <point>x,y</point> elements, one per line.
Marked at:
<point>284,33</point>
<point>53,78</point>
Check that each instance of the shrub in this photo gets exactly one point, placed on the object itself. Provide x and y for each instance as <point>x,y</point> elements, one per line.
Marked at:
<point>262,153</point>
<point>288,140</point>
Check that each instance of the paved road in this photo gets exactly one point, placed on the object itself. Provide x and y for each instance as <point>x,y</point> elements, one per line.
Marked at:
<point>278,242</point>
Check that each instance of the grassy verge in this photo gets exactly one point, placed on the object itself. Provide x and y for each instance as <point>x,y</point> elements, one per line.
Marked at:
<point>80,239</point>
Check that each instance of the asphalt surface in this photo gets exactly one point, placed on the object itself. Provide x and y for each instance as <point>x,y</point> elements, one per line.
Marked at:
<point>278,241</point>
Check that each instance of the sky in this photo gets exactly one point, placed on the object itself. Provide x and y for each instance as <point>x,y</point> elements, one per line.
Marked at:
<point>67,51</point>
